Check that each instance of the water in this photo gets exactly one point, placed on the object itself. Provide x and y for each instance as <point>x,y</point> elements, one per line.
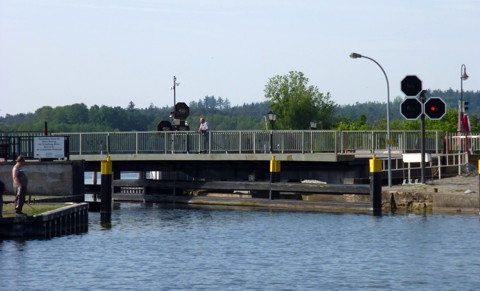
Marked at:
<point>152,248</point>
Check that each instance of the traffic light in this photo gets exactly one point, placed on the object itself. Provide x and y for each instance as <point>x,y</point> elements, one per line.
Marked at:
<point>464,106</point>
<point>435,108</point>
<point>411,85</point>
<point>411,108</point>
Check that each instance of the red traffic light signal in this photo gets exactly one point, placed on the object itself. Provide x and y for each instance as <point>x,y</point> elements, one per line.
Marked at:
<point>411,108</point>
<point>435,108</point>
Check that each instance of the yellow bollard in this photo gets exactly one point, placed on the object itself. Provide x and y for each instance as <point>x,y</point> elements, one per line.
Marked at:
<point>106,190</point>
<point>274,176</point>
<point>376,185</point>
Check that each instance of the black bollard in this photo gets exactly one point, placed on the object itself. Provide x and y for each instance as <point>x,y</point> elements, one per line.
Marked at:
<point>106,200</point>
<point>376,185</point>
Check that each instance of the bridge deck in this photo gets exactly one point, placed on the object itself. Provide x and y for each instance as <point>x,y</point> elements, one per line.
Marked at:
<point>317,157</point>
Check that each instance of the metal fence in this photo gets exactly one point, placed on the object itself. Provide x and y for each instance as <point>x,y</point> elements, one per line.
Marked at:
<point>13,144</point>
<point>254,142</point>
<point>281,141</point>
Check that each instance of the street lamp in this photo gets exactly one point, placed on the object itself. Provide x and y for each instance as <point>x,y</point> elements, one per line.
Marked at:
<point>174,87</point>
<point>461,125</point>
<point>313,124</point>
<point>389,142</point>
<point>272,117</point>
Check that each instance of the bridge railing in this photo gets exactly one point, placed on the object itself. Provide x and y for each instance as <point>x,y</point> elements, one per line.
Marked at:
<point>278,141</point>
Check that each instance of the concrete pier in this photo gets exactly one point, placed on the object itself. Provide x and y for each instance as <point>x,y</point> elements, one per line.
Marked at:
<point>71,219</point>
<point>458,194</point>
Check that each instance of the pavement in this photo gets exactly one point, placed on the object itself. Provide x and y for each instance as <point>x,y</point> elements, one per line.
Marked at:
<point>457,184</point>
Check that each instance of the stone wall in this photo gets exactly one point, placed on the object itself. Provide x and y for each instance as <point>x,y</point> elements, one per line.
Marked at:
<point>58,178</point>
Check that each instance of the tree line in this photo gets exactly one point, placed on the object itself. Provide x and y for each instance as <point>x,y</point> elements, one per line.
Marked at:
<point>290,96</point>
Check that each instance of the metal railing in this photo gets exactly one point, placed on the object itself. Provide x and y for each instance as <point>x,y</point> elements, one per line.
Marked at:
<point>13,144</point>
<point>250,141</point>
<point>278,141</point>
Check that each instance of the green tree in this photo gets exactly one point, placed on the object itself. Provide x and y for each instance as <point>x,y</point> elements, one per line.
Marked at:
<point>349,124</point>
<point>296,103</point>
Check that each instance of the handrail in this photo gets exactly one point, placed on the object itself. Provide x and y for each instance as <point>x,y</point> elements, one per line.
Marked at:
<point>250,141</point>
<point>306,142</point>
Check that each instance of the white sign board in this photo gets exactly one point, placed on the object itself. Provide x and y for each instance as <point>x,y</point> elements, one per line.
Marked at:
<point>416,158</point>
<point>49,147</point>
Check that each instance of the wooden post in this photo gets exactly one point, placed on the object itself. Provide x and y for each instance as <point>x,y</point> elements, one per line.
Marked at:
<point>106,200</point>
<point>376,185</point>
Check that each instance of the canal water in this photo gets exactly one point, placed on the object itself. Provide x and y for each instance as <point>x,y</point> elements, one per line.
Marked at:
<point>148,247</point>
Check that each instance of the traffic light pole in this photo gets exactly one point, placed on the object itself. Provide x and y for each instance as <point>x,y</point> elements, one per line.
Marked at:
<point>422,170</point>
<point>414,108</point>
<point>422,121</point>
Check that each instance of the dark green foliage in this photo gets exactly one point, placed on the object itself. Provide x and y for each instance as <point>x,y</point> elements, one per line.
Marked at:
<point>222,116</point>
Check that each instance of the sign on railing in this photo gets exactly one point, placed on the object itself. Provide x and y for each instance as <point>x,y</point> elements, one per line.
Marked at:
<point>49,147</point>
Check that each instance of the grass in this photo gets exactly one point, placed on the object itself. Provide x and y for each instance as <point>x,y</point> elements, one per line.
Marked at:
<point>29,208</point>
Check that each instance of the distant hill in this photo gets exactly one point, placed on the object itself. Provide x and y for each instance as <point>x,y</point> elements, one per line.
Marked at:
<point>222,116</point>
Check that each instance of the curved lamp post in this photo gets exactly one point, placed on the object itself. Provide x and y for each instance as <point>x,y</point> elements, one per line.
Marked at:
<point>357,56</point>
<point>463,77</point>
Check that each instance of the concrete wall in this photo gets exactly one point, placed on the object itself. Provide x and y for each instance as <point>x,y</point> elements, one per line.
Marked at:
<point>62,178</point>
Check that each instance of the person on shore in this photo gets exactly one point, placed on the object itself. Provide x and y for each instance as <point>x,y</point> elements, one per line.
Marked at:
<point>204,130</point>
<point>20,182</point>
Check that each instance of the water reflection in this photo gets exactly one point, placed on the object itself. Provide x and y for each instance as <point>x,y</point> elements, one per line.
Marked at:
<point>158,248</point>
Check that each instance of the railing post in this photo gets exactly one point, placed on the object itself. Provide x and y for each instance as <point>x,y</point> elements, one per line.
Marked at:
<point>209,142</point>
<point>108,143</point>
<point>80,143</point>
<point>374,142</point>
<point>136,142</point>
<point>165,142</point>
<point>239,142</point>
<point>311,141</point>
<point>338,135</point>
<point>303,141</point>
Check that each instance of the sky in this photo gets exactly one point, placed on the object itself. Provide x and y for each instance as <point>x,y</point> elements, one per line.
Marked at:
<point>110,52</point>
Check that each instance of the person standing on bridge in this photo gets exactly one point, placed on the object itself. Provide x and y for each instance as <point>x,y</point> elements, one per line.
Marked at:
<point>20,182</point>
<point>204,130</point>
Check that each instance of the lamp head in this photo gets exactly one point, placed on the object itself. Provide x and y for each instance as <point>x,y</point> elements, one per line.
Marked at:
<point>355,56</point>
<point>272,116</point>
<point>464,75</point>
